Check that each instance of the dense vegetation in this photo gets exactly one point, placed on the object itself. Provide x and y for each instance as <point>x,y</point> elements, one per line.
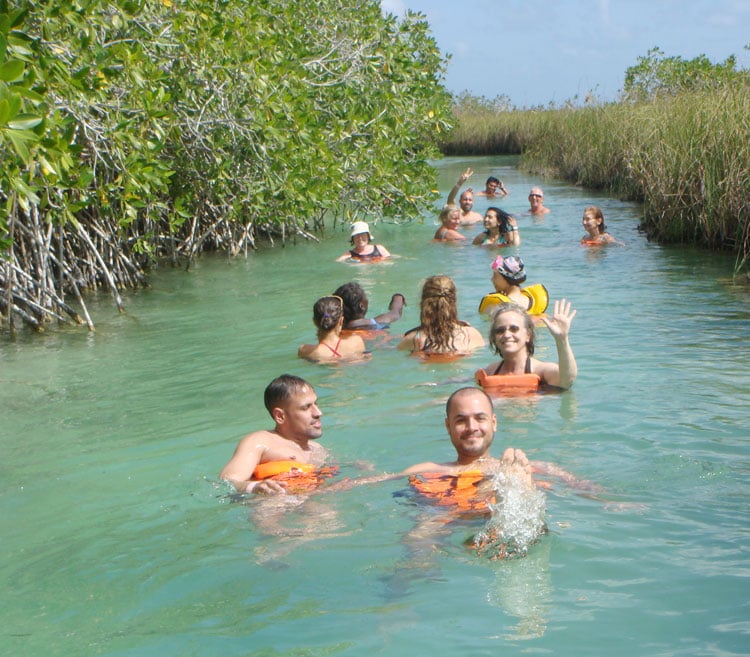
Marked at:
<point>135,130</point>
<point>678,141</point>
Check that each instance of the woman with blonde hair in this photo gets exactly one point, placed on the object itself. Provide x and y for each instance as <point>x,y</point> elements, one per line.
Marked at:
<point>440,330</point>
<point>450,218</point>
<point>328,317</point>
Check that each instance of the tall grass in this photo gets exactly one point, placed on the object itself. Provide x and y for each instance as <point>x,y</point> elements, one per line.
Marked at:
<point>686,158</point>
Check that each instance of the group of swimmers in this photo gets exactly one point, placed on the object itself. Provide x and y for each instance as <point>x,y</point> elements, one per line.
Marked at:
<point>289,457</point>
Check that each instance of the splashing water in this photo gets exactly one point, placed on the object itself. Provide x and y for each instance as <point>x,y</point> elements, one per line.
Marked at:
<point>517,518</point>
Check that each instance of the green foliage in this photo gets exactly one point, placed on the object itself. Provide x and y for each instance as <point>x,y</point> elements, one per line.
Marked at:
<point>131,130</point>
<point>656,75</point>
<point>685,156</point>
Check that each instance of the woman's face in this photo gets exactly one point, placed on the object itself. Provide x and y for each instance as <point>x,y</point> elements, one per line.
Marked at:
<point>360,240</point>
<point>510,333</point>
<point>591,223</point>
<point>453,219</point>
<point>491,220</point>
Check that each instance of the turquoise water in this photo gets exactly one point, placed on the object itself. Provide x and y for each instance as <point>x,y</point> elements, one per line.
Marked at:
<point>118,540</point>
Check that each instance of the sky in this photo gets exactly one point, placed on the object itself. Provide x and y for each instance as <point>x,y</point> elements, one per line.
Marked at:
<point>538,52</point>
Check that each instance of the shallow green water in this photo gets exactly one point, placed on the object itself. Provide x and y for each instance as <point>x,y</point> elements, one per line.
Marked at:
<point>117,539</point>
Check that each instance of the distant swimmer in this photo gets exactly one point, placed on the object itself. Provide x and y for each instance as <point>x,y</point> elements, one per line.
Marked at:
<point>328,317</point>
<point>450,218</point>
<point>465,201</point>
<point>356,305</point>
<point>500,229</point>
<point>494,188</point>
<point>536,202</point>
<point>364,247</point>
<point>440,330</point>
<point>596,229</point>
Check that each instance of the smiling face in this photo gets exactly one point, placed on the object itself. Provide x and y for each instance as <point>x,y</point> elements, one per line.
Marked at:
<point>299,417</point>
<point>471,424</point>
<point>591,223</point>
<point>453,219</point>
<point>491,188</point>
<point>536,198</point>
<point>360,240</point>
<point>510,334</point>
<point>491,220</point>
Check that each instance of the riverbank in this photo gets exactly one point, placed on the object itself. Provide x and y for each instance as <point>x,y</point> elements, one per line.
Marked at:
<point>686,158</point>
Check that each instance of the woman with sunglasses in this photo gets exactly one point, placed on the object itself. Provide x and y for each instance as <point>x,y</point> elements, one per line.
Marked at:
<point>512,337</point>
<point>328,317</point>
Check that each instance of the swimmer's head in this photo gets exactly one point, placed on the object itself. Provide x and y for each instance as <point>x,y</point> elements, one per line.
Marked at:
<point>510,268</point>
<point>355,301</point>
<point>361,228</point>
<point>327,312</point>
<point>281,390</point>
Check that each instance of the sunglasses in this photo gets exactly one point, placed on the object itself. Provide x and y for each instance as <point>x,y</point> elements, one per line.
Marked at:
<point>536,196</point>
<point>502,329</point>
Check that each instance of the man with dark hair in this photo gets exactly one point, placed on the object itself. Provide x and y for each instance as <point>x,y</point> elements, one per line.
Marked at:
<point>264,460</point>
<point>356,306</point>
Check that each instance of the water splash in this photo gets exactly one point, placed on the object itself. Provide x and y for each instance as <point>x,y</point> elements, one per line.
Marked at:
<point>517,519</point>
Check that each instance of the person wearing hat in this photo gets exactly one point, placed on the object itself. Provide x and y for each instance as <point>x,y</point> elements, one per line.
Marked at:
<point>507,275</point>
<point>364,249</point>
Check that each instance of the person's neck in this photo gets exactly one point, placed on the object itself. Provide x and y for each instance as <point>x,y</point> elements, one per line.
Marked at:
<point>331,336</point>
<point>515,363</point>
<point>303,442</point>
<point>473,460</point>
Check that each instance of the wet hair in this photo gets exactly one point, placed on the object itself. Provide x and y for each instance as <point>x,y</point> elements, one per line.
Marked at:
<point>503,218</point>
<point>463,391</point>
<point>528,323</point>
<point>327,312</point>
<point>446,212</point>
<point>438,315</point>
<point>492,179</point>
<point>281,389</point>
<point>598,214</point>
<point>355,301</point>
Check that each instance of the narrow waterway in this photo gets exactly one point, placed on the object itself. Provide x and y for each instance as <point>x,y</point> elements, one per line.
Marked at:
<point>119,541</point>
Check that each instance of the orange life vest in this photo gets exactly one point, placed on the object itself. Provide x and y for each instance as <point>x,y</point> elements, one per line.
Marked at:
<point>299,477</point>
<point>458,491</point>
<point>514,384</point>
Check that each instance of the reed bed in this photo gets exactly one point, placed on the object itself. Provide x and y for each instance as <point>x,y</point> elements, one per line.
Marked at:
<point>686,158</point>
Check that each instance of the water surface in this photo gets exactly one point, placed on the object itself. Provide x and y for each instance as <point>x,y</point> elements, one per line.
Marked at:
<point>119,541</point>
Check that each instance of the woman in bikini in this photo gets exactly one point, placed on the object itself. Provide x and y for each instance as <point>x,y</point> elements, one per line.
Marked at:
<point>328,317</point>
<point>500,229</point>
<point>440,330</point>
<point>512,337</point>
<point>450,218</point>
<point>364,248</point>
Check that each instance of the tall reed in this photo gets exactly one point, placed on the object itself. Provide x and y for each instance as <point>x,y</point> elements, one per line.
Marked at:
<point>687,158</point>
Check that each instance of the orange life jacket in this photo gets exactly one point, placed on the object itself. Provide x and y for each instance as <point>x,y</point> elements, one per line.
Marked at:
<point>299,477</point>
<point>459,491</point>
<point>514,384</point>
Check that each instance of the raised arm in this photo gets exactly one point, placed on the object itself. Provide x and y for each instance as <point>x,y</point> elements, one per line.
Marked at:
<point>461,180</point>
<point>512,234</point>
<point>564,372</point>
<point>395,308</point>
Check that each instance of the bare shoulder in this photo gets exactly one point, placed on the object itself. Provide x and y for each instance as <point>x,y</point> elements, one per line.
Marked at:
<point>428,466</point>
